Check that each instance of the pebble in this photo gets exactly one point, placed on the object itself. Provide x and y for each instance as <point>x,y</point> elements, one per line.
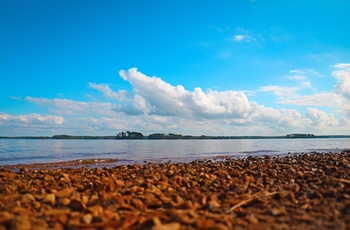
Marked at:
<point>305,191</point>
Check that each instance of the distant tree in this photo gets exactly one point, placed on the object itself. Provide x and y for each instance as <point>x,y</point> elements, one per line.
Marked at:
<point>174,136</point>
<point>134,135</point>
<point>129,135</point>
<point>157,136</point>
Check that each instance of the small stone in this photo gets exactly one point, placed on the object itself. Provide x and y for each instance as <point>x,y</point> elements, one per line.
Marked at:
<point>169,226</point>
<point>27,198</point>
<point>87,218</point>
<point>300,173</point>
<point>23,169</point>
<point>65,201</point>
<point>76,205</point>
<point>205,224</point>
<point>50,198</point>
<point>253,220</point>
<point>66,192</point>
<point>21,223</point>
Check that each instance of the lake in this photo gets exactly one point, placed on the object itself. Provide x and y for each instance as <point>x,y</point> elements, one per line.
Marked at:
<point>28,151</point>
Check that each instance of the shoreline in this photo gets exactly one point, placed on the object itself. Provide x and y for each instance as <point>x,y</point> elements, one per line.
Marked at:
<point>114,162</point>
<point>310,190</point>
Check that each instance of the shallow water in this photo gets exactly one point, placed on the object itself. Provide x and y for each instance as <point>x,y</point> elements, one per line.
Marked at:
<point>29,151</point>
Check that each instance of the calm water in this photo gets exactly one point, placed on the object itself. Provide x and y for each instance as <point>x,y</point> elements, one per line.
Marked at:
<point>23,151</point>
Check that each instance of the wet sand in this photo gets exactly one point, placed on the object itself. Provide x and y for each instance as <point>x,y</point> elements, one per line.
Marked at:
<point>307,191</point>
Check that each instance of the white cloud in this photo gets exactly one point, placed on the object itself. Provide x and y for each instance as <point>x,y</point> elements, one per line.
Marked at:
<point>328,99</point>
<point>343,85</point>
<point>296,77</point>
<point>65,106</point>
<point>342,65</point>
<point>164,99</point>
<point>297,71</point>
<point>243,37</point>
<point>239,37</point>
<point>157,106</point>
<point>199,110</point>
<point>107,125</point>
<point>320,118</point>
<point>306,84</point>
<point>306,71</point>
<point>338,98</point>
<point>30,118</point>
<point>280,91</point>
<point>108,92</point>
<point>29,124</point>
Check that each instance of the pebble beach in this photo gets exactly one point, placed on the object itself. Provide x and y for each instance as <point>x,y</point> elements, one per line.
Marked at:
<point>299,191</point>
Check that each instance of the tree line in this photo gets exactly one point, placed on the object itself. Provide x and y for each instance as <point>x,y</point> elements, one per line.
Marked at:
<point>172,136</point>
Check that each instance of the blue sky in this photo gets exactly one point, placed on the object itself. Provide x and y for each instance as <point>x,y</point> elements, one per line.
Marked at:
<point>192,67</point>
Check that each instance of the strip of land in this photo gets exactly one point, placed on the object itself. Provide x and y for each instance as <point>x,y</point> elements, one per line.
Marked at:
<point>306,191</point>
<point>171,136</point>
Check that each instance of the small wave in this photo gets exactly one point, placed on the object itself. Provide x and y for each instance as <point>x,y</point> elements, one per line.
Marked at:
<point>261,151</point>
<point>326,150</point>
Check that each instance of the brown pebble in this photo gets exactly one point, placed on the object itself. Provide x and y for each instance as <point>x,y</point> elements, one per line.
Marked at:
<point>87,218</point>
<point>169,226</point>
<point>21,223</point>
<point>64,192</point>
<point>205,224</point>
<point>76,205</point>
<point>50,198</point>
<point>65,201</point>
<point>305,191</point>
<point>27,198</point>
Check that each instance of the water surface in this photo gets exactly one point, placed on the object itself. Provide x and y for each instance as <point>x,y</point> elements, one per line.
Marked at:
<point>28,151</point>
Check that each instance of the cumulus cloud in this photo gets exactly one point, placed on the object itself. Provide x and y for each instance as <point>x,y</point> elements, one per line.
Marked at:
<point>29,124</point>
<point>338,98</point>
<point>175,104</point>
<point>108,92</point>
<point>30,119</point>
<point>201,108</point>
<point>343,85</point>
<point>328,99</point>
<point>65,106</point>
<point>157,106</point>
<point>137,106</point>
<point>320,118</point>
<point>161,98</point>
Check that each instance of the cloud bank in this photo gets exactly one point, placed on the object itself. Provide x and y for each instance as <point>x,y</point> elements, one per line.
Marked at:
<point>157,106</point>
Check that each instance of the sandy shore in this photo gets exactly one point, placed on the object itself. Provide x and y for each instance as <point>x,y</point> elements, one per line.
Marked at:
<point>310,191</point>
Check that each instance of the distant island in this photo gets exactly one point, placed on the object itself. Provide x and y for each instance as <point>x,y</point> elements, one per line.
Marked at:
<point>300,135</point>
<point>130,135</point>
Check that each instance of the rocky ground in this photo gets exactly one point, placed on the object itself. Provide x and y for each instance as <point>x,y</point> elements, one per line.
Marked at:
<point>307,191</point>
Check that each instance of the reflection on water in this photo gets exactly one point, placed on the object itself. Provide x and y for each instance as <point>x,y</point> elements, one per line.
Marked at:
<point>16,151</point>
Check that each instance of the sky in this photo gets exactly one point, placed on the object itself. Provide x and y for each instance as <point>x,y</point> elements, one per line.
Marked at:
<point>199,67</point>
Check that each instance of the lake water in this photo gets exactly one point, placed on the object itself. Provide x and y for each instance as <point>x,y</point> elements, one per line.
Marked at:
<point>28,151</point>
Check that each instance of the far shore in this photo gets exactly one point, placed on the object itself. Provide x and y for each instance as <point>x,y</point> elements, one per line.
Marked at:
<point>169,137</point>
